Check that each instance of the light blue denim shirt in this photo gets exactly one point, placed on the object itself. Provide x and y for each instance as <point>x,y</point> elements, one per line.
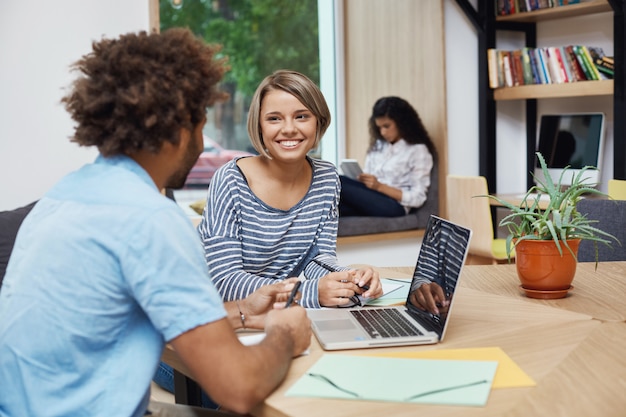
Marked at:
<point>104,270</point>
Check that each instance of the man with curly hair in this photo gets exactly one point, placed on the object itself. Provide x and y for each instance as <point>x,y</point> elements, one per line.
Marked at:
<point>106,269</point>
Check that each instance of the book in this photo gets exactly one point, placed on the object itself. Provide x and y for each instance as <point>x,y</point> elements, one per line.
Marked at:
<point>506,66</point>
<point>536,59</point>
<point>571,77</point>
<point>500,67</point>
<point>528,72</point>
<point>533,66</point>
<point>592,67</point>
<point>606,66</point>
<point>595,52</point>
<point>351,168</point>
<point>519,67</point>
<point>577,70</point>
<point>583,62</point>
<point>500,10</point>
<point>609,60</point>
<point>553,66</point>
<point>492,65</point>
<point>543,59</point>
<point>512,69</point>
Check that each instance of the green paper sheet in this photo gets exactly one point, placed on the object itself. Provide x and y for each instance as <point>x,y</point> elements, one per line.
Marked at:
<point>395,292</point>
<point>450,382</point>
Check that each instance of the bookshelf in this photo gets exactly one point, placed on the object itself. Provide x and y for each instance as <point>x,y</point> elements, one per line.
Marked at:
<point>573,10</point>
<point>487,25</point>
<point>537,91</point>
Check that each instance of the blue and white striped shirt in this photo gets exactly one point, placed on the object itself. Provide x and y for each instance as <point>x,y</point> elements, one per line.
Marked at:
<point>249,244</point>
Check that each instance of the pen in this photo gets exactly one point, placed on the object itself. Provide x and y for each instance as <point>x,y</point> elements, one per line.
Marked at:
<point>294,291</point>
<point>334,269</point>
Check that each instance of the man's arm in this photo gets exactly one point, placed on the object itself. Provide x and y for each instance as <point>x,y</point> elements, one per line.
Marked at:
<point>236,376</point>
<point>250,312</point>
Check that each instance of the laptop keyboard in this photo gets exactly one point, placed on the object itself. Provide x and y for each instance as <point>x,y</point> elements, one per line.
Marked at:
<point>385,322</point>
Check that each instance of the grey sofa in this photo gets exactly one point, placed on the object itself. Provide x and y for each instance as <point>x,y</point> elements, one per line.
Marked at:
<point>352,226</point>
<point>10,222</point>
<point>611,217</point>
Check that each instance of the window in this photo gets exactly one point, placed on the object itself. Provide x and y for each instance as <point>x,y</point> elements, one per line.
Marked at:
<point>260,36</point>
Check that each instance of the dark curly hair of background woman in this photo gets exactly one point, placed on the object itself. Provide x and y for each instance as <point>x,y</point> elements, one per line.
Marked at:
<point>127,100</point>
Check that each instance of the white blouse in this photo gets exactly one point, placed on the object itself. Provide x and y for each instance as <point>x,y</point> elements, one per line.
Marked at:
<point>404,166</point>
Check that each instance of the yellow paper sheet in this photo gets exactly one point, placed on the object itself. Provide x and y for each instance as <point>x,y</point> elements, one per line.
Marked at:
<point>508,374</point>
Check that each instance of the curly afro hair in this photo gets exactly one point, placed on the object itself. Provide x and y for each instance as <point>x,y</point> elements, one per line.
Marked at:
<point>137,91</point>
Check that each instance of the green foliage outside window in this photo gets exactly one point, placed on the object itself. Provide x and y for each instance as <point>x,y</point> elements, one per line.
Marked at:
<point>258,36</point>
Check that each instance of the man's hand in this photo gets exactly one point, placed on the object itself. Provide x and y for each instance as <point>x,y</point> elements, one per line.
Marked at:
<point>430,297</point>
<point>256,306</point>
<point>295,320</point>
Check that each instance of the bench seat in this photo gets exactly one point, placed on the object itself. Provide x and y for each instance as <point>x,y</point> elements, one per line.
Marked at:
<point>416,220</point>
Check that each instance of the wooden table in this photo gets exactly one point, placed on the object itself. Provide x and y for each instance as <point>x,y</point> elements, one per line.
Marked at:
<point>600,293</point>
<point>573,348</point>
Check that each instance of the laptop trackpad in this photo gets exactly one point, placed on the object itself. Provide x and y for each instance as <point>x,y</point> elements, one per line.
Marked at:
<point>330,325</point>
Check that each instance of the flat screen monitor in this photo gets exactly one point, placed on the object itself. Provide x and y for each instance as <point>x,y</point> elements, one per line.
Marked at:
<point>574,140</point>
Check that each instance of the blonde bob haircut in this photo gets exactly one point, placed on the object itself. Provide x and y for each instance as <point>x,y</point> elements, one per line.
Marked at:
<point>299,86</point>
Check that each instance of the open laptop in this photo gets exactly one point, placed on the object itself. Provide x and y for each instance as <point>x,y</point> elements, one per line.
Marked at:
<point>442,255</point>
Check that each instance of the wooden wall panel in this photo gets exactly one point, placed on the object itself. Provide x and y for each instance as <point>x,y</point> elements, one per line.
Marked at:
<point>395,47</point>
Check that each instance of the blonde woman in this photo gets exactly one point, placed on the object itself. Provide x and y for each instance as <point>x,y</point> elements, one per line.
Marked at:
<point>273,216</point>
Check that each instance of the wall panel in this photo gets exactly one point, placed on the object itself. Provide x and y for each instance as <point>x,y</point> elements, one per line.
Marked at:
<point>395,47</point>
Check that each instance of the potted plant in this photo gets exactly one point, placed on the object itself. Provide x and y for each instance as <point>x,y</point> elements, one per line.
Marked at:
<point>545,239</point>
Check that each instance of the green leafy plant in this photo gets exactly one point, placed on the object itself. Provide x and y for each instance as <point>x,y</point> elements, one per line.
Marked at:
<point>559,220</point>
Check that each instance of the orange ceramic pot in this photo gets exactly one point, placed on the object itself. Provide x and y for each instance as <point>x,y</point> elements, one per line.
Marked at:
<point>542,270</point>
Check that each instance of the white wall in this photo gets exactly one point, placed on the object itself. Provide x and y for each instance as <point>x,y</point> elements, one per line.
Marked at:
<point>461,90</point>
<point>39,39</point>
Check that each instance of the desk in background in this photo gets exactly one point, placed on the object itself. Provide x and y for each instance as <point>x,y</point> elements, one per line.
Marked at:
<point>516,199</point>
<point>573,348</point>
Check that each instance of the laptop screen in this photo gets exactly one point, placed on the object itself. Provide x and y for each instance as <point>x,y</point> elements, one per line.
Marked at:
<point>441,258</point>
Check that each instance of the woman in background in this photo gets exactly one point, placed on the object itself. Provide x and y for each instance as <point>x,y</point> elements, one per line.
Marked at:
<point>398,163</point>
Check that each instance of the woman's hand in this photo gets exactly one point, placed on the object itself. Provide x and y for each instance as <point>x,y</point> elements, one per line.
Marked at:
<point>368,277</point>
<point>370,181</point>
<point>336,288</point>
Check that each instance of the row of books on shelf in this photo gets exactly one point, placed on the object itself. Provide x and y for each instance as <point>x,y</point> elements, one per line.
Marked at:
<point>507,7</point>
<point>547,65</point>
